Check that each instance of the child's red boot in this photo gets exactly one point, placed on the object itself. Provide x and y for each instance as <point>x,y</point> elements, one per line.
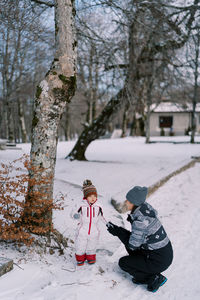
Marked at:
<point>91,258</point>
<point>80,259</point>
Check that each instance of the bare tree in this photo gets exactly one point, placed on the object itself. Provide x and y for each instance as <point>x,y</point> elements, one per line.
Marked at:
<point>141,52</point>
<point>22,32</point>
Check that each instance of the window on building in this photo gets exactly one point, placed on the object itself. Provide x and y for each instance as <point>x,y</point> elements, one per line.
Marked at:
<point>165,121</point>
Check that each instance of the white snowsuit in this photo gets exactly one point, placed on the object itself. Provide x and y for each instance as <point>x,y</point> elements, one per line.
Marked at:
<point>87,234</point>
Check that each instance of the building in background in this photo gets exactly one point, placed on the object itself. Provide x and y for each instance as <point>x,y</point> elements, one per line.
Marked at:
<point>168,118</point>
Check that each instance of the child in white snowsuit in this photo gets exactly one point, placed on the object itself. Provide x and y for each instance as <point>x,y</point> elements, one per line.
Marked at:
<point>88,228</point>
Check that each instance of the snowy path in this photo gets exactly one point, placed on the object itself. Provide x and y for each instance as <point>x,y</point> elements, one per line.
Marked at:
<point>178,204</point>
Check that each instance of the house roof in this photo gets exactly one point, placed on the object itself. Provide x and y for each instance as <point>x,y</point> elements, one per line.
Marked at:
<point>173,107</point>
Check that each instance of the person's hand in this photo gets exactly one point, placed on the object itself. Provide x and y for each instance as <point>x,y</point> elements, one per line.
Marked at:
<point>112,228</point>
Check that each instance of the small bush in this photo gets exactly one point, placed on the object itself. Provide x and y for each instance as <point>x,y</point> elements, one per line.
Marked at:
<point>162,132</point>
<point>21,215</point>
<point>188,130</point>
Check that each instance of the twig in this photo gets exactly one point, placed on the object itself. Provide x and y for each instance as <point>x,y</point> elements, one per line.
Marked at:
<point>68,283</point>
<point>68,270</point>
<point>18,266</point>
<point>79,283</point>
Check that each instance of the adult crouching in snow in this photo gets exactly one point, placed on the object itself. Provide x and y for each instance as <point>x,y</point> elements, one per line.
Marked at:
<point>149,248</point>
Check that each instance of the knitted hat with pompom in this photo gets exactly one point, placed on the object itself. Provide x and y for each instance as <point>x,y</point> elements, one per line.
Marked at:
<point>88,188</point>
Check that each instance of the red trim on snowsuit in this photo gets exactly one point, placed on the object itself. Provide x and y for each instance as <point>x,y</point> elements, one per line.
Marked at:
<point>89,211</point>
<point>90,204</point>
<point>90,220</point>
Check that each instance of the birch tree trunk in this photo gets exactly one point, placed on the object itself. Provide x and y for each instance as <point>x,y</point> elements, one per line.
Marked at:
<point>52,96</point>
<point>22,121</point>
<point>149,102</point>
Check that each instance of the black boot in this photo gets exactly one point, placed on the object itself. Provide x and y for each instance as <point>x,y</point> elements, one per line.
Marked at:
<point>138,281</point>
<point>158,281</point>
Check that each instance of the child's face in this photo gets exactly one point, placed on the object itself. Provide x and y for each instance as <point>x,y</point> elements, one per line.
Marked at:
<point>91,199</point>
<point>129,205</point>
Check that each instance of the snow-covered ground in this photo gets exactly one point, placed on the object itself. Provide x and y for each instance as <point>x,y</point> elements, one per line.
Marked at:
<point>114,166</point>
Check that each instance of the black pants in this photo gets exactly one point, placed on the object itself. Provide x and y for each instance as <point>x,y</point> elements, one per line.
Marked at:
<point>143,265</point>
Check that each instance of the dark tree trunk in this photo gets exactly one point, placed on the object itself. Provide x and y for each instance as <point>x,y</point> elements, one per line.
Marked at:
<point>140,127</point>
<point>133,126</point>
<point>149,102</point>
<point>124,120</point>
<point>4,127</point>
<point>10,123</point>
<point>67,124</point>
<point>98,127</point>
<point>147,131</point>
<point>194,100</point>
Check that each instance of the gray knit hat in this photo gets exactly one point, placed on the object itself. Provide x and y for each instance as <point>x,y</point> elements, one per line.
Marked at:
<point>137,195</point>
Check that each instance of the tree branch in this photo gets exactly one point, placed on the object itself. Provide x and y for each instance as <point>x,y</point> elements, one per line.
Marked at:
<point>49,4</point>
<point>119,66</point>
<point>173,44</point>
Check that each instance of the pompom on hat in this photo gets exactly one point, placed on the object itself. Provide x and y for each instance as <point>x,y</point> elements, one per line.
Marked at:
<point>137,195</point>
<point>88,189</point>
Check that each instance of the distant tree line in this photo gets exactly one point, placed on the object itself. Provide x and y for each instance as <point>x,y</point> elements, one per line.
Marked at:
<point>144,52</point>
<point>26,45</point>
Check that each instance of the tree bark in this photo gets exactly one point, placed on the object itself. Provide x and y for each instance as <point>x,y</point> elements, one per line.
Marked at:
<point>194,100</point>
<point>22,121</point>
<point>133,126</point>
<point>147,125</point>
<point>149,102</point>
<point>90,82</point>
<point>97,128</point>
<point>9,122</point>
<point>52,96</point>
<point>96,85</point>
<point>124,120</point>
<point>67,124</point>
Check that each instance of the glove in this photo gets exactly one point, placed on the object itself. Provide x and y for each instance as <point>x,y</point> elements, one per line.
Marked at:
<point>76,216</point>
<point>112,228</point>
<point>129,219</point>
